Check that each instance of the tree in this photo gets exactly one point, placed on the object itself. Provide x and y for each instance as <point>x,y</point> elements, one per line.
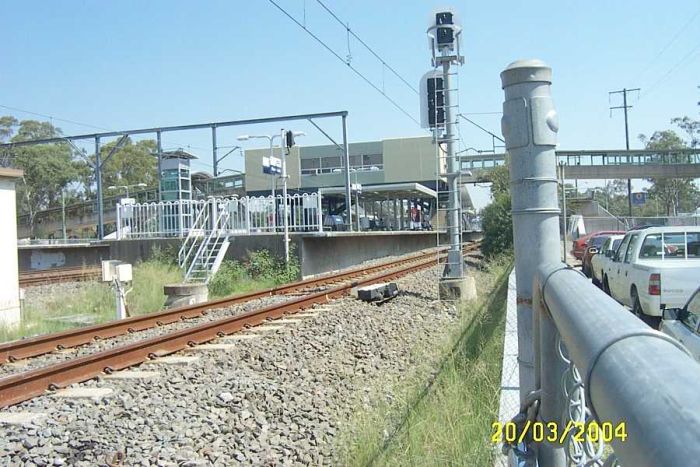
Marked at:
<point>497,220</point>
<point>672,193</point>
<point>691,127</point>
<point>48,168</point>
<point>500,179</point>
<point>131,164</point>
<point>7,123</point>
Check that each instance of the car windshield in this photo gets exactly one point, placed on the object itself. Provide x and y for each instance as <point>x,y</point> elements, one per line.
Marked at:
<point>597,241</point>
<point>616,244</point>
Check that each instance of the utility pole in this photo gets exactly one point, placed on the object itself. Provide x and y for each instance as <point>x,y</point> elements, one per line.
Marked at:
<point>624,106</point>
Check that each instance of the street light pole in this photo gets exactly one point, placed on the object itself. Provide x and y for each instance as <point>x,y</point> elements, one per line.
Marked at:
<point>284,198</point>
<point>284,176</point>
<point>63,213</point>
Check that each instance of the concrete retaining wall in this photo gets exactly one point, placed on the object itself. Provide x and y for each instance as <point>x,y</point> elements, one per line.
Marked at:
<point>37,257</point>
<point>318,253</point>
<point>339,250</point>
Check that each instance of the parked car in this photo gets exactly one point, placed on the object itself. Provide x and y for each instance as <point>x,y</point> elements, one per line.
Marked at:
<point>578,247</point>
<point>655,268</point>
<point>683,324</point>
<point>604,257</point>
<point>592,248</point>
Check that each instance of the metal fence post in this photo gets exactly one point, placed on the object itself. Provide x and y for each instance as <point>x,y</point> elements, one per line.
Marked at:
<point>119,223</point>
<point>319,210</point>
<point>530,126</point>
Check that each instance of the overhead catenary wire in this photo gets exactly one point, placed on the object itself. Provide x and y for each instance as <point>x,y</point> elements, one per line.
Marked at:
<point>50,117</point>
<point>667,45</point>
<point>346,62</point>
<point>359,39</point>
<point>683,61</point>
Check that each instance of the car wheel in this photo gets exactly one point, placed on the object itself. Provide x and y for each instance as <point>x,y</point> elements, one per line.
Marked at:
<point>595,281</point>
<point>652,321</point>
<point>636,306</point>
<point>606,286</point>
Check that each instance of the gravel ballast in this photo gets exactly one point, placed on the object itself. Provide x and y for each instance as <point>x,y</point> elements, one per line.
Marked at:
<point>280,398</point>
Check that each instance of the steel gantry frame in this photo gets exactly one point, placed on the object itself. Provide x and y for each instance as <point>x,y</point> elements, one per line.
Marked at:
<point>124,134</point>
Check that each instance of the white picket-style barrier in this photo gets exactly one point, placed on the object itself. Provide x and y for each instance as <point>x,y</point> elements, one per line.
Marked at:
<point>247,215</point>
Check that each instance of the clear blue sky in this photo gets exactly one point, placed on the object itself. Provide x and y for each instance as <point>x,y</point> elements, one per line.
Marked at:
<point>131,64</point>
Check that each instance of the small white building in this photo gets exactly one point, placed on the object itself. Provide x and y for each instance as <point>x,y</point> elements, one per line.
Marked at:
<point>9,274</point>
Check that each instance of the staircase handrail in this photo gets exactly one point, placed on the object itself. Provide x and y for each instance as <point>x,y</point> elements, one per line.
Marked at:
<point>215,230</point>
<point>187,246</point>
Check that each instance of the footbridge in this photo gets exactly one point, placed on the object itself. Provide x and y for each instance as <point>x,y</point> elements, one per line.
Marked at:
<point>601,164</point>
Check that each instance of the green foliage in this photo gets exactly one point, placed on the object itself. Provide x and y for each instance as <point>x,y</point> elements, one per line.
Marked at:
<point>230,279</point>
<point>92,300</point>
<point>51,170</point>
<point>496,218</point>
<point>500,178</point>
<point>497,223</point>
<point>164,255</point>
<point>6,124</point>
<point>691,127</point>
<point>261,270</point>
<point>262,265</point>
<point>133,163</point>
<point>48,169</point>
<point>674,194</point>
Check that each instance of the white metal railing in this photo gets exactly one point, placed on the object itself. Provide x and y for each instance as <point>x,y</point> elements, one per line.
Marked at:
<point>201,266</point>
<point>194,238</point>
<point>246,215</point>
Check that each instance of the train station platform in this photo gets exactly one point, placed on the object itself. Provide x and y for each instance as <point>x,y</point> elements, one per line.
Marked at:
<point>318,252</point>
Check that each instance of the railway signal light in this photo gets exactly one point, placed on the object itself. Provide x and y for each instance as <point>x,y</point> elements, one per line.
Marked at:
<point>432,100</point>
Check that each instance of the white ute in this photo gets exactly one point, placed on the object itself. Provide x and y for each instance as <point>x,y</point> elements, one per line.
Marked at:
<point>601,259</point>
<point>654,267</point>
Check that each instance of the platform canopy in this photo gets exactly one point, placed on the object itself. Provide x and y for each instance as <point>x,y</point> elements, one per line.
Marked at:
<point>385,191</point>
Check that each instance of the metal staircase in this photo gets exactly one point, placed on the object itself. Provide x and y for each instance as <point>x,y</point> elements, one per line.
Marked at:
<point>206,243</point>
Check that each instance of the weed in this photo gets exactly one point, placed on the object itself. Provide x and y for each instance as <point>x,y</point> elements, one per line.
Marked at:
<point>443,411</point>
<point>68,307</point>
<point>261,270</point>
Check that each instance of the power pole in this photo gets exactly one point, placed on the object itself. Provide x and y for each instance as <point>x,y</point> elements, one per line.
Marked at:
<point>624,106</point>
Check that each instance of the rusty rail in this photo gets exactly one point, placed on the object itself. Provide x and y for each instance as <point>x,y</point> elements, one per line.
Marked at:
<point>56,275</point>
<point>24,386</point>
<point>39,345</point>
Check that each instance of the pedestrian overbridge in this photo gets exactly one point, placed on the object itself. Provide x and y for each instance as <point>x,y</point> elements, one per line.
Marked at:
<point>600,164</point>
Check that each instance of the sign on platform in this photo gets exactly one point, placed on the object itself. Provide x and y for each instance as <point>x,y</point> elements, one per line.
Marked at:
<point>639,199</point>
<point>272,165</point>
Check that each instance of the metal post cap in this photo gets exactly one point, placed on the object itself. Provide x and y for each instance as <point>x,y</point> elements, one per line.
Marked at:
<point>522,71</point>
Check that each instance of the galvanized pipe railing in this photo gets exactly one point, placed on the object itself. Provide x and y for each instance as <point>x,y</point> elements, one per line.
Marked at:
<point>620,370</point>
<point>631,373</point>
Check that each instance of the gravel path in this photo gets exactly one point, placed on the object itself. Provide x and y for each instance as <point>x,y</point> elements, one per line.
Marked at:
<point>280,398</point>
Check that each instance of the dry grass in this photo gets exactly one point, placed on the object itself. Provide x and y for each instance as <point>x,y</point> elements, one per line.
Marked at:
<point>93,301</point>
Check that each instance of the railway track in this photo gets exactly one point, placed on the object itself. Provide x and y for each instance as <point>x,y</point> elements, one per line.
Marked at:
<point>304,294</point>
<point>56,275</point>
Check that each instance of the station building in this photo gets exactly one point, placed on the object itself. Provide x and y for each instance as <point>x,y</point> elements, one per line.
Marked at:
<point>389,171</point>
<point>373,164</point>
